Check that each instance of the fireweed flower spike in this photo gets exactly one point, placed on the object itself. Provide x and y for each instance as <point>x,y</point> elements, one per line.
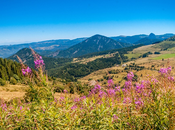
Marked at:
<point>25,71</point>
<point>130,75</point>
<point>39,62</point>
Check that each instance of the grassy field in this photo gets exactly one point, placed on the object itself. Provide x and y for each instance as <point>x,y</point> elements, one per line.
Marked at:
<point>86,60</point>
<point>164,56</point>
<point>135,55</point>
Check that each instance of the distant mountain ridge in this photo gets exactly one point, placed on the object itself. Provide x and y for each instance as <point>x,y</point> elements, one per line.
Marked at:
<point>43,47</point>
<point>135,38</point>
<point>95,43</point>
<point>47,48</point>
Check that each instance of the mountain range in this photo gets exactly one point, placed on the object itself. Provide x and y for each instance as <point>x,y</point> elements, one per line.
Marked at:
<point>43,47</point>
<point>135,38</point>
<point>95,43</point>
<point>66,47</point>
<point>99,43</point>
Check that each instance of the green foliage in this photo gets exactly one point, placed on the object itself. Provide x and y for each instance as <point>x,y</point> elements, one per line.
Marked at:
<point>164,56</point>
<point>9,68</point>
<point>2,82</point>
<point>16,77</point>
<point>76,70</point>
<point>145,54</point>
<point>156,52</point>
<point>134,66</point>
<point>13,81</point>
<point>121,51</point>
<point>152,107</point>
<point>114,71</point>
<point>58,88</point>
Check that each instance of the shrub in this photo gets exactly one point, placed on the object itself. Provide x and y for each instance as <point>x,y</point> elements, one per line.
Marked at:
<point>2,82</point>
<point>16,77</point>
<point>58,88</point>
<point>13,81</point>
<point>156,52</point>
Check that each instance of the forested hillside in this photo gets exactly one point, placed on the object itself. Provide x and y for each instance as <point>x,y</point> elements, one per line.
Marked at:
<point>26,56</point>
<point>9,71</point>
<point>76,70</point>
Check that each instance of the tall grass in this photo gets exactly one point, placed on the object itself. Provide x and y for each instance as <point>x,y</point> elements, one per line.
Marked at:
<point>146,104</point>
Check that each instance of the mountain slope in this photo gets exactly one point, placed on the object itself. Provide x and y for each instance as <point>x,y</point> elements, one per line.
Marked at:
<point>95,43</point>
<point>135,38</point>
<point>26,56</point>
<point>166,46</point>
<point>43,47</point>
<point>147,41</point>
<point>129,39</point>
<point>171,38</point>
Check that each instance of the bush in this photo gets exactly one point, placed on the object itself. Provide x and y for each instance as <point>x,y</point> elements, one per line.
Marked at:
<point>16,77</point>
<point>2,82</point>
<point>156,52</point>
<point>13,81</point>
<point>58,89</point>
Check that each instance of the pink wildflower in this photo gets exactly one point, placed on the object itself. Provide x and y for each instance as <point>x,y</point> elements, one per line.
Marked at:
<point>163,71</point>
<point>65,91</point>
<point>76,100</point>
<point>26,71</point>
<point>73,107</point>
<point>117,88</point>
<point>110,82</point>
<point>128,84</point>
<point>171,78</point>
<point>20,108</point>
<point>130,75</point>
<point>127,100</point>
<point>111,92</point>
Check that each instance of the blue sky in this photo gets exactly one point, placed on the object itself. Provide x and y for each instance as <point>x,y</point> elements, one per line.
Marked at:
<point>36,20</point>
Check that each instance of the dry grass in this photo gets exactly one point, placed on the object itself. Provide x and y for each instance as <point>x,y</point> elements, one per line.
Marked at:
<point>147,62</point>
<point>10,95</point>
<point>7,96</point>
<point>9,92</point>
<point>86,60</point>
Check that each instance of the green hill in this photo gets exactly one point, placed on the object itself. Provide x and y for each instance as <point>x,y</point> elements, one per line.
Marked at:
<point>26,56</point>
<point>95,43</point>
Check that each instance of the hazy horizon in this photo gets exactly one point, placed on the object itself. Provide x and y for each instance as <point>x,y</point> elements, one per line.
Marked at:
<point>36,20</point>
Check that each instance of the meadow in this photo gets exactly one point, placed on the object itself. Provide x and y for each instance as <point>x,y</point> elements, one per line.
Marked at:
<point>164,56</point>
<point>147,103</point>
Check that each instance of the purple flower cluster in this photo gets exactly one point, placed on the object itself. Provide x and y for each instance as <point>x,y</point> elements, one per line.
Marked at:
<point>110,83</point>
<point>138,102</point>
<point>128,84</point>
<point>4,107</point>
<point>39,62</point>
<point>65,91</point>
<point>26,71</point>
<point>117,89</point>
<point>165,70</point>
<point>127,100</point>
<point>139,88</point>
<point>76,100</point>
<point>111,92</point>
<point>130,75</point>
<point>96,89</point>
<point>73,107</point>
<point>171,78</point>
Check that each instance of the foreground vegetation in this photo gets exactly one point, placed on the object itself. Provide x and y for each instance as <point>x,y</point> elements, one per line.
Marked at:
<point>146,104</point>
